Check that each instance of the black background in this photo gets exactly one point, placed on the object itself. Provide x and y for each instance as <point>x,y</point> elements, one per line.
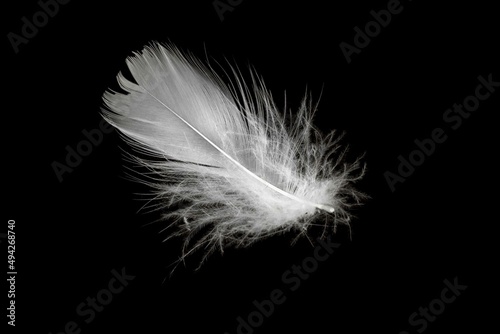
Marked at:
<point>437,225</point>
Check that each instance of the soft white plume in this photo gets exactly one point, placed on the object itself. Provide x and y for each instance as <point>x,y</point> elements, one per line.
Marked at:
<point>224,160</point>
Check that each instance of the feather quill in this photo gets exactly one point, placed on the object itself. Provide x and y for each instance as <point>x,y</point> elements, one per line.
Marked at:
<point>223,159</point>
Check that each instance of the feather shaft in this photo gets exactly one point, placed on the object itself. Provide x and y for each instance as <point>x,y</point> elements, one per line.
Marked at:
<point>246,170</point>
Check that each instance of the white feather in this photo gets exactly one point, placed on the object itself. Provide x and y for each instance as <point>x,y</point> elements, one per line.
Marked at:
<point>230,162</point>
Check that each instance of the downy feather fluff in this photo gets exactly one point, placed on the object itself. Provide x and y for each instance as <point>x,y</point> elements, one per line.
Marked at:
<point>223,160</point>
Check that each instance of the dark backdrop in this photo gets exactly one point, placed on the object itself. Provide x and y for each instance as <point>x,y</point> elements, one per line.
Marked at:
<point>73,234</point>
